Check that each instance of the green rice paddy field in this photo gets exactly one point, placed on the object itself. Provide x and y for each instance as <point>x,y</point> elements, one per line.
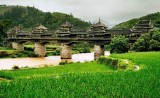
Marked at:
<point>86,80</point>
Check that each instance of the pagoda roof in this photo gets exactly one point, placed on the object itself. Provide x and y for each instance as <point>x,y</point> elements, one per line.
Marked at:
<point>66,24</point>
<point>17,28</point>
<point>99,24</point>
<point>14,30</point>
<point>144,22</point>
<point>41,27</point>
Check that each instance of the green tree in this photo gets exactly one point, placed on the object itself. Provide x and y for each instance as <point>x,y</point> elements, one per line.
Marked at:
<point>156,35</point>
<point>30,16</point>
<point>142,43</point>
<point>119,44</point>
<point>4,26</point>
<point>154,43</point>
<point>82,47</point>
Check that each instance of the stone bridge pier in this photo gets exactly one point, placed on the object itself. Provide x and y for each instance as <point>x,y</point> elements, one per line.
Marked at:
<point>98,51</point>
<point>18,46</point>
<point>66,51</point>
<point>40,49</point>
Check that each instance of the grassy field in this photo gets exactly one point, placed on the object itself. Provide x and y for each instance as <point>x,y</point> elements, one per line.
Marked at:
<point>86,80</point>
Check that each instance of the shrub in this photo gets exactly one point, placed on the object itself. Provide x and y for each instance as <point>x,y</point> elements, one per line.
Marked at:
<point>50,48</point>
<point>29,48</point>
<point>86,50</point>
<point>156,35</point>
<point>122,64</point>
<point>108,61</point>
<point>63,63</point>
<point>154,45</point>
<point>142,43</point>
<point>119,44</point>
<point>13,56</point>
<point>3,53</point>
<point>55,52</point>
<point>19,54</point>
<point>31,54</point>
<point>107,47</point>
<point>58,51</point>
<point>113,62</point>
<point>49,54</point>
<point>15,67</point>
<point>82,47</point>
<point>101,59</point>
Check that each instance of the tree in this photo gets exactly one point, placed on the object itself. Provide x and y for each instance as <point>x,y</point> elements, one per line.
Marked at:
<point>156,35</point>
<point>119,44</point>
<point>154,43</point>
<point>82,47</point>
<point>142,43</point>
<point>4,26</point>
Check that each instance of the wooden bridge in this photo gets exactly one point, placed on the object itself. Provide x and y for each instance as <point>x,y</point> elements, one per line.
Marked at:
<point>97,34</point>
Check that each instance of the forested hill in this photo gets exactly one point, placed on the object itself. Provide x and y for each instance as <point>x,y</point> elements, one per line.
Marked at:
<point>155,17</point>
<point>30,16</point>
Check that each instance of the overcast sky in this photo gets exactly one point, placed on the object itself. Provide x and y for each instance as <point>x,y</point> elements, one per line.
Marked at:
<point>112,11</point>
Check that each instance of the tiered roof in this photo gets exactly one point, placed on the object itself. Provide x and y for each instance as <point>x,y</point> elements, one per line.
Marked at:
<point>40,29</point>
<point>66,24</point>
<point>142,26</point>
<point>66,27</point>
<point>98,27</point>
<point>14,30</point>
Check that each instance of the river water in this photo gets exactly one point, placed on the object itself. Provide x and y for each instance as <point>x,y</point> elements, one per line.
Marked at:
<point>7,64</point>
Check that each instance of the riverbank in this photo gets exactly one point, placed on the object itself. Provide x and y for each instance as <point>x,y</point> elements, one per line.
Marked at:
<point>9,63</point>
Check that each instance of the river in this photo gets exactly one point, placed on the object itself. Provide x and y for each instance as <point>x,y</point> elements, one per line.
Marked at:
<point>7,64</point>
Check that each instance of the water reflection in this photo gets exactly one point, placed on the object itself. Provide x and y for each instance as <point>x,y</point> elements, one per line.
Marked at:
<point>7,64</point>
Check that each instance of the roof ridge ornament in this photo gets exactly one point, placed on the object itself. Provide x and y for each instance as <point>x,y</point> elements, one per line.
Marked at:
<point>100,20</point>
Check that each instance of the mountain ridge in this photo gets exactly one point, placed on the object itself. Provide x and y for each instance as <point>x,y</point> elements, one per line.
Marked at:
<point>30,16</point>
<point>154,17</point>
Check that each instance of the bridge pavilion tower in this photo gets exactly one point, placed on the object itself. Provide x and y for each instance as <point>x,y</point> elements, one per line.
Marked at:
<point>66,27</point>
<point>12,34</point>
<point>64,31</point>
<point>143,26</point>
<point>39,47</point>
<point>98,29</point>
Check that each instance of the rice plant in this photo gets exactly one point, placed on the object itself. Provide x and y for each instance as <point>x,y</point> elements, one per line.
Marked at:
<point>78,80</point>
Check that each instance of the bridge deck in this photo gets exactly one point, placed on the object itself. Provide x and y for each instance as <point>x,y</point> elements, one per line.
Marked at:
<point>71,36</point>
